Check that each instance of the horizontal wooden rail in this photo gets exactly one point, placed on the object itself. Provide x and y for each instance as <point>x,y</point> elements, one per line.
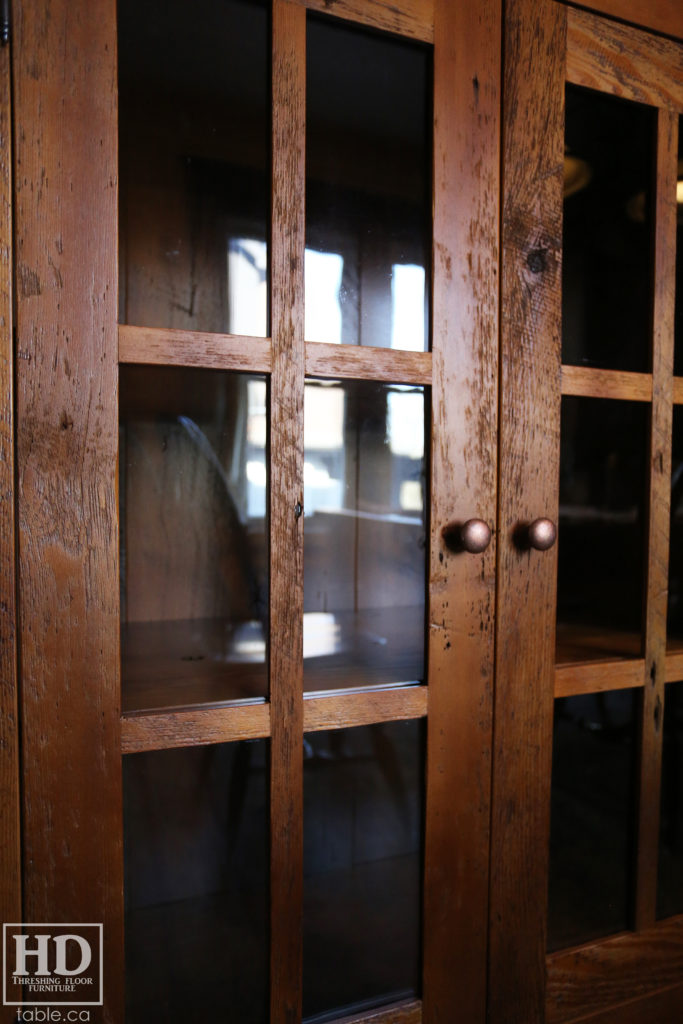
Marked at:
<point>598,676</point>
<point>623,61</point>
<point>678,390</point>
<point>363,362</point>
<point>603,974</point>
<point>343,710</point>
<point>588,382</point>
<point>409,1012</point>
<point>411,18</point>
<point>168,347</point>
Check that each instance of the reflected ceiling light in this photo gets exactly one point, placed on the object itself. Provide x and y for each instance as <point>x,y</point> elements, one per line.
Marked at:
<point>577,174</point>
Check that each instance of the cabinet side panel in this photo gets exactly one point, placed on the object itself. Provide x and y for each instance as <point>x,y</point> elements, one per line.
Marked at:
<point>66,266</point>
<point>10,855</point>
<point>533,108</point>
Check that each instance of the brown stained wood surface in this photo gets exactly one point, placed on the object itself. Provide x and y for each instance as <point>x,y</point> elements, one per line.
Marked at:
<point>678,390</point>
<point>593,383</point>
<point>665,1007</point>
<point>10,839</point>
<point>664,16</point>
<point>600,976</point>
<point>192,728</point>
<point>401,1013</point>
<point>411,18</point>
<point>597,676</point>
<point>463,485</point>
<point>65,230</point>
<point>341,711</point>
<point>365,363</point>
<point>286,528</point>
<point>673,666</point>
<point>529,439</point>
<point>169,347</point>
<point>659,520</point>
<point>620,60</point>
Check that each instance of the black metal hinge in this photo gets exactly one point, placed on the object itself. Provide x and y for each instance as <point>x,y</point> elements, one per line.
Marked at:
<point>4,22</point>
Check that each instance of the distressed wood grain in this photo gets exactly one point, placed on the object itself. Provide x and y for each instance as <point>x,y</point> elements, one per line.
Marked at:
<point>593,383</point>
<point>171,347</point>
<point>664,16</point>
<point>533,110</point>
<point>411,18</point>
<point>463,486</point>
<point>193,727</point>
<point>286,526</point>
<point>366,363</point>
<point>65,230</point>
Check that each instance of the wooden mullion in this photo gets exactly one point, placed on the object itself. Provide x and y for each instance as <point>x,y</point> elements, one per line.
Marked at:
<point>533,118</point>
<point>358,362</point>
<point>659,520</point>
<point>587,382</point>
<point>463,486</point>
<point>411,18</point>
<point>10,834</point>
<point>286,520</point>
<point>624,61</point>
<point>173,347</point>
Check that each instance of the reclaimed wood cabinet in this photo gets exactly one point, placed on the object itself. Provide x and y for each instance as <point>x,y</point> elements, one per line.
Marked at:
<point>315,317</point>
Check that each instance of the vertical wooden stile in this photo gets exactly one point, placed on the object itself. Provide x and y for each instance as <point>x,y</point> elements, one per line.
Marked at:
<point>464,480</point>
<point>10,839</point>
<point>64,72</point>
<point>533,109</point>
<point>664,275</point>
<point>286,519</point>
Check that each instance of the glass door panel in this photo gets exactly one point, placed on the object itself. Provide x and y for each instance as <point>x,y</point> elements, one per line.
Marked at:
<point>193,529</point>
<point>368,167</point>
<point>364,535</point>
<point>194,195</point>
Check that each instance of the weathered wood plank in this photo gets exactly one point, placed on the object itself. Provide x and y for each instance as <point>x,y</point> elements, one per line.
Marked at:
<point>169,347</point>
<point>193,727</point>
<point>659,520</point>
<point>286,522</point>
<point>463,485</point>
<point>658,15</point>
<point>411,18</point>
<point>623,61</point>
<point>592,383</point>
<point>10,838</point>
<point>66,310</point>
<point>344,710</point>
<point>529,436</point>
<point>365,363</point>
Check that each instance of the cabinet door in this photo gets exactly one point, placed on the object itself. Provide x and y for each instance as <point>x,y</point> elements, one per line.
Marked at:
<point>306,368</point>
<point>585,673</point>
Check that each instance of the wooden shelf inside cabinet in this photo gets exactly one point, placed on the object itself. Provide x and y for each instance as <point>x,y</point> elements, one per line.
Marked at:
<point>200,662</point>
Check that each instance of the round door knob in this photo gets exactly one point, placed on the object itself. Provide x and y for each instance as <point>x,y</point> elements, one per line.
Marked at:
<point>542,534</point>
<point>475,536</point>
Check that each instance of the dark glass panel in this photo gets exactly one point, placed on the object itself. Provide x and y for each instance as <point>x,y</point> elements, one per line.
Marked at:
<point>196,884</point>
<point>193,102</point>
<point>363,808</point>
<point>603,513</point>
<point>192,498</point>
<point>606,271</point>
<point>364,550</point>
<point>368,188</point>
<point>678,350</point>
<point>591,831</point>
<point>675,606</point>
<point>670,880</point>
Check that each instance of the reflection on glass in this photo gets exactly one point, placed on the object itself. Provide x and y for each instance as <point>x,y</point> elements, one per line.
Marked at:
<point>591,817</point>
<point>678,318</point>
<point>364,549</point>
<point>196,884</point>
<point>601,528</point>
<point>363,806</point>
<point>670,879</point>
<point>193,102</point>
<point>606,266</point>
<point>192,497</point>
<point>368,206</point>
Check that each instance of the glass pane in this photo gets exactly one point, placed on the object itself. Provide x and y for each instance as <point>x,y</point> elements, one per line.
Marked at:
<point>603,513</point>
<point>591,816</point>
<point>363,807</point>
<point>193,103</point>
<point>364,549</point>
<point>606,267</point>
<point>670,888</point>
<point>678,350</point>
<point>196,884</point>
<point>368,188</point>
<point>192,498</point>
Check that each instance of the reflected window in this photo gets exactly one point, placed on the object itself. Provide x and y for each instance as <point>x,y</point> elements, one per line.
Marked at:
<point>247,287</point>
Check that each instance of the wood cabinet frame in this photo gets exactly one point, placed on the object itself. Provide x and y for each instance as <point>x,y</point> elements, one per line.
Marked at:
<point>484,924</point>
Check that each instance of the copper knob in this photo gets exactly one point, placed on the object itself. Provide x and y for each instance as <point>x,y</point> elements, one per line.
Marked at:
<point>475,536</point>
<point>542,534</point>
